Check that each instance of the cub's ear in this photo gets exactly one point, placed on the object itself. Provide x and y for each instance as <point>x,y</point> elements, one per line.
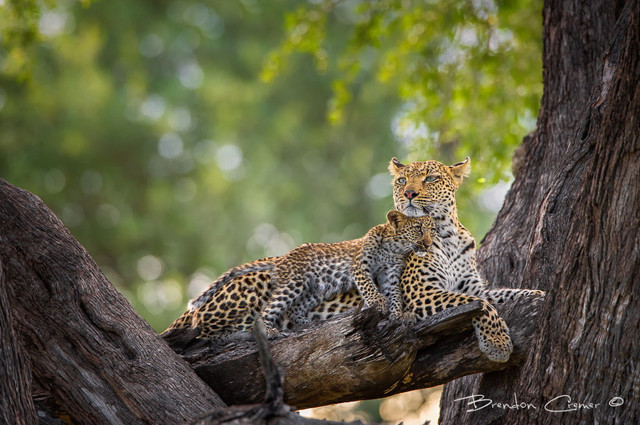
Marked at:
<point>395,218</point>
<point>460,170</point>
<point>395,166</point>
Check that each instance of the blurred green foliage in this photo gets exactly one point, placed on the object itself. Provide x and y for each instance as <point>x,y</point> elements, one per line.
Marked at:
<point>18,32</point>
<point>179,138</point>
<point>468,72</point>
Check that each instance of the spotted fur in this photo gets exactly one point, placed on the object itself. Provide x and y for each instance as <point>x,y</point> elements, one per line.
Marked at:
<point>285,289</point>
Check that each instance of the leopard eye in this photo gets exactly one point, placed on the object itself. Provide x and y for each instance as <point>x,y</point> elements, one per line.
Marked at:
<point>431,179</point>
<point>401,180</point>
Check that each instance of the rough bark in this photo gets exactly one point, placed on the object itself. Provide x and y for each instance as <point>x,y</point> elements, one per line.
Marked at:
<point>361,356</point>
<point>86,345</point>
<point>576,206</point>
<point>572,61</point>
<point>16,405</point>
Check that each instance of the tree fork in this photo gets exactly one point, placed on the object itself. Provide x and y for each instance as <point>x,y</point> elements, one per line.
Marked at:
<point>102,363</point>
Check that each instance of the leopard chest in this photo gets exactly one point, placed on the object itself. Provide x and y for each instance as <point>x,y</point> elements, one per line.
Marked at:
<point>445,260</point>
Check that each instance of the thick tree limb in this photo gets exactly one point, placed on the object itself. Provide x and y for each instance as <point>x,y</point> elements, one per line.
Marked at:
<point>361,356</point>
<point>86,345</point>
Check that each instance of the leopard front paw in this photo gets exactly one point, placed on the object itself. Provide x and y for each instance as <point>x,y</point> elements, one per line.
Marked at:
<point>494,340</point>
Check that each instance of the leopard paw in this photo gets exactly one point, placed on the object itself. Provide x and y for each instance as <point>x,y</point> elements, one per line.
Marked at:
<point>271,331</point>
<point>379,303</point>
<point>493,338</point>
<point>405,316</point>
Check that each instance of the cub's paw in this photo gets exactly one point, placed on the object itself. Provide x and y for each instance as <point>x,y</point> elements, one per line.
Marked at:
<point>271,332</point>
<point>379,303</point>
<point>493,337</point>
<point>405,316</point>
<point>301,321</point>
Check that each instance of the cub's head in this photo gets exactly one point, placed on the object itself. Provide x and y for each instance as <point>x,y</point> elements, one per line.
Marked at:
<point>426,187</point>
<point>411,233</point>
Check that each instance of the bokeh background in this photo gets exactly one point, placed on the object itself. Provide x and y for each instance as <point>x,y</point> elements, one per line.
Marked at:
<point>177,139</point>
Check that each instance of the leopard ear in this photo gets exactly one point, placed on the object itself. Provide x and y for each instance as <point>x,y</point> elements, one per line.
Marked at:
<point>460,170</point>
<point>395,218</point>
<point>395,166</point>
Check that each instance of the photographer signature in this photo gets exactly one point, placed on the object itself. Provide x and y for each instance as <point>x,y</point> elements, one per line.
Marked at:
<point>560,404</point>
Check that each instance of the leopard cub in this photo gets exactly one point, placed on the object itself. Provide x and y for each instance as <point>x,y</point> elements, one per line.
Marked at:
<point>298,281</point>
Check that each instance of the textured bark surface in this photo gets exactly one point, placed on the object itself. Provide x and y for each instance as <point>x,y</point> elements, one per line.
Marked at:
<point>571,225</point>
<point>86,345</point>
<point>359,356</point>
<point>572,60</point>
<point>272,410</point>
<point>16,405</point>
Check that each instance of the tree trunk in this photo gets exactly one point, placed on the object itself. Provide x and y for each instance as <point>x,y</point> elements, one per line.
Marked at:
<point>86,345</point>
<point>571,226</point>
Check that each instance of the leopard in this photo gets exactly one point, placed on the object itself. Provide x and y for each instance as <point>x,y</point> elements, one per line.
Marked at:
<point>447,276</point>
<point>283,290</point>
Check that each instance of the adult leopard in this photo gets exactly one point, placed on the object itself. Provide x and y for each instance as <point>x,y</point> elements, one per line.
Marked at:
<point>447,276</point>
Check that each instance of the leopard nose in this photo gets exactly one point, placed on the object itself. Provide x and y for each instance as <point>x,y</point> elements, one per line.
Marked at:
<point>410,194</point>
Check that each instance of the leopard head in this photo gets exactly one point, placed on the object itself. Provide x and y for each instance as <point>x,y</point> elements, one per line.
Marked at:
<point>410,233</point>
<point>427,187</point>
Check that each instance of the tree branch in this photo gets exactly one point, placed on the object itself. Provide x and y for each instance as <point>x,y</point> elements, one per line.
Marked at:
<point>361,355</point>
